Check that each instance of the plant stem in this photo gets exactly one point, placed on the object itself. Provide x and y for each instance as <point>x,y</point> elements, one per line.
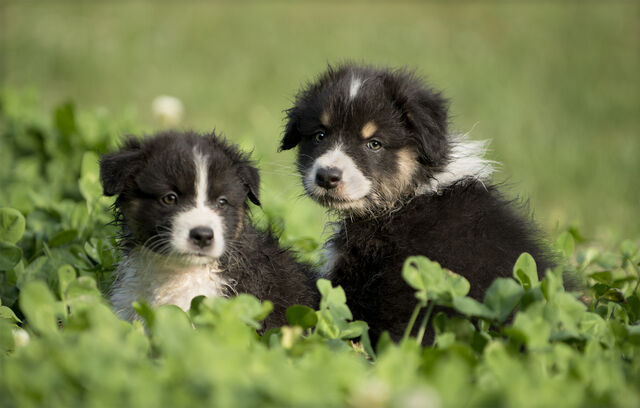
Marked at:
<point>423,325</point>
<point>412,321</point>
<point>637,272</point>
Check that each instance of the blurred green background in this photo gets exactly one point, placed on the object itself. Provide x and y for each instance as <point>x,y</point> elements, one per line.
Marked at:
<point>555,86</point>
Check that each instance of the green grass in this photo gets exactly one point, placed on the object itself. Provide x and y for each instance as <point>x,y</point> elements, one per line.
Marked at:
<point>555,86</point>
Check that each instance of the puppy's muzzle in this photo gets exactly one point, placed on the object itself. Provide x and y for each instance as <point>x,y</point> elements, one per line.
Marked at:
<point>201,236</point>
<point>328,177</point>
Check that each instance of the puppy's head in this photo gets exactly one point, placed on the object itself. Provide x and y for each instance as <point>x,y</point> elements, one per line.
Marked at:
<point>180,194</point>
<point>367,137</point>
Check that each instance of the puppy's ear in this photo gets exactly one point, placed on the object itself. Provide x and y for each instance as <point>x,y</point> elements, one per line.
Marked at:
<point>251,179</point>
<point>292,135</point>
<point>425,114</point>
<point>116,169</point>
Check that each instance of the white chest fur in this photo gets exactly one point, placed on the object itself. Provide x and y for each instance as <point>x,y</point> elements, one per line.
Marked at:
<point>160,281</point>
<point>330,254</point>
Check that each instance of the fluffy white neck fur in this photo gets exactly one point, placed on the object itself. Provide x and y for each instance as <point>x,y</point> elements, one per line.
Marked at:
<point>466,161</point>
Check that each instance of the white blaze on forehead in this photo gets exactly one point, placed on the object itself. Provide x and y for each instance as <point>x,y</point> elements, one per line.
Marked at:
<point>202,177</point>
<point>356,83</point>
<point>353,185</point>
<point>201,215</point>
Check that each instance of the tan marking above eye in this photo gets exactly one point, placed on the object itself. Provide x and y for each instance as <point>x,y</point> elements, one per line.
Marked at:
<point>368,130</point>
<point>324,119</point>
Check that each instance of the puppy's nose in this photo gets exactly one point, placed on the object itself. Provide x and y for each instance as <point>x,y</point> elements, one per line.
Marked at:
<point>201,236</point>
<point>328,177</point>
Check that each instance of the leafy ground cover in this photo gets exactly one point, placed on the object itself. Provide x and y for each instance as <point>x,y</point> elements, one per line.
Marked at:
<point>61,345</point>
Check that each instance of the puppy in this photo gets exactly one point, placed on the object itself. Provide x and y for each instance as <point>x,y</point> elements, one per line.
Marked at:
<point>182,204</point>
<point>374,145</point>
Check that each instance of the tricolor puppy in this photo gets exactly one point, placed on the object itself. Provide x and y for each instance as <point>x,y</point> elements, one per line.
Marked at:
<point>374,144</point>
<point>182,205</point>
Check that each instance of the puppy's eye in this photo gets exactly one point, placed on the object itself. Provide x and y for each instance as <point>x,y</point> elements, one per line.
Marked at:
<point>374,145</point>
<point>221,202</point>
<point>169,199</point>
<point>318,137</point>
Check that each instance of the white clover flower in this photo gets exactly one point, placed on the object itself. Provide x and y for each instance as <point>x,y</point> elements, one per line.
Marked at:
<point>168,110</point>
<point>371,393</point>
<point>424,397</point>
<point>20,337</point>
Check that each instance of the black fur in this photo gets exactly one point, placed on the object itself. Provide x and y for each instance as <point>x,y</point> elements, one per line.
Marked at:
<point>465,225</point>
<point>145,170</point>
<point>469,229</point>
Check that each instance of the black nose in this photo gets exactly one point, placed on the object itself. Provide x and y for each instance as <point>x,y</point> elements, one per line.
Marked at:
<point>328,177</point>
<point>201,236</point>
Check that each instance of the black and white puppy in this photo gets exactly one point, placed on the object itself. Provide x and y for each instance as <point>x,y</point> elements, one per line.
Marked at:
<point>374,144</point>
<point>182,206</point>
